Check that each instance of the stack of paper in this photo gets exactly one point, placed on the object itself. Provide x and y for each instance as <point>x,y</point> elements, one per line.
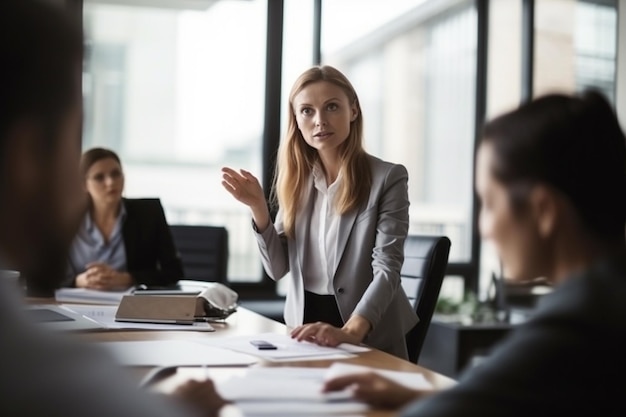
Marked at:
<point>292,392</point>
<point>84,295</point>
<point>298,391</point>
<point>287,349</point>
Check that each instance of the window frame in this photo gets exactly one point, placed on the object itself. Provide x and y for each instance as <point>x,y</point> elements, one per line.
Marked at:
<point>267,288</point>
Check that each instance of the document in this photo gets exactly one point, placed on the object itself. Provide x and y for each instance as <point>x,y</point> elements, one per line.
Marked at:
<point>287,349</point>
<point>173,353</point>
<point>105,316</point>
<point>293,391</point>
<point>299,409</point>
<point>413,380</point>
<point>297,391</point>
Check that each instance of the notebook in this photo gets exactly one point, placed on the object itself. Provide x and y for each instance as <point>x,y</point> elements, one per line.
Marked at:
<point>55,317</point>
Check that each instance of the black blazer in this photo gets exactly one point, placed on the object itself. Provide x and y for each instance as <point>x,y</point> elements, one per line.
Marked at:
<point>151,256</point>
<point>569,360</point>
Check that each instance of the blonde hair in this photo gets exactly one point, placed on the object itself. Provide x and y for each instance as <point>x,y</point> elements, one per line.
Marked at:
<point>296,158</point>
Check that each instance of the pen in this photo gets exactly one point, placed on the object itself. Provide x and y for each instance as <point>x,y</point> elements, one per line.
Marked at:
<point>157,374</point>
<point>206,371</point>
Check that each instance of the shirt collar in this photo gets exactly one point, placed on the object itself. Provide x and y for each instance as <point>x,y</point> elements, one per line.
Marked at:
<point>319,179</point>
<point>88,223</point>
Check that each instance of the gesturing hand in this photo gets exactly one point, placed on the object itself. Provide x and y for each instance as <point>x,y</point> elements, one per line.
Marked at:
<point>244,186</point>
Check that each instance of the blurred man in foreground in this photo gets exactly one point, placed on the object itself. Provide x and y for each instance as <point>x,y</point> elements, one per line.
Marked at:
<point>40,205</point>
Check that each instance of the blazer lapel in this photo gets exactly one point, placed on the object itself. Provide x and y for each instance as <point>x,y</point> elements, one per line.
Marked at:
<point>346,223</point>
<point>303,223</point>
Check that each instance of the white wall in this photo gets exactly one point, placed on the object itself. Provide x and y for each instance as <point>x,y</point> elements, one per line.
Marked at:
<point>621,64</point>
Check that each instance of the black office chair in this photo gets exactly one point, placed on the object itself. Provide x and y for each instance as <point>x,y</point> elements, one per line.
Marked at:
<point>203,251</point>
<point>425,262</point>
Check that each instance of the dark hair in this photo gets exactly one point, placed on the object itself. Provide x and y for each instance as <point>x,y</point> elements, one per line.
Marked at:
<point>41,51</point>
<point>575,145</point>
<point>94,155</point>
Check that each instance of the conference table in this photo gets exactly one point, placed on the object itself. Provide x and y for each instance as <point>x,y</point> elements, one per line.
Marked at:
<point>248,323</point>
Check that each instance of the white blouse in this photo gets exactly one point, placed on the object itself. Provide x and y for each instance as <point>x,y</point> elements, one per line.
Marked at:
<point>320,260</point>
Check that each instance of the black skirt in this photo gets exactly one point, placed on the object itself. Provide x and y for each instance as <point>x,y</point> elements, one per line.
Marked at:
<point>321,308</point>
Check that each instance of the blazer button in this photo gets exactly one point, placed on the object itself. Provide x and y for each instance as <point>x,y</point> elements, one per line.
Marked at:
<point>340,290</point>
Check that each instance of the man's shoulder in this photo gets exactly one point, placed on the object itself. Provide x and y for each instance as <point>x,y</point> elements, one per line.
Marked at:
<point>598,291</point>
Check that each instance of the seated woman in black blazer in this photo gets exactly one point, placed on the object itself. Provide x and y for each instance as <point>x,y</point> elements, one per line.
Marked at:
<point>121,242</point>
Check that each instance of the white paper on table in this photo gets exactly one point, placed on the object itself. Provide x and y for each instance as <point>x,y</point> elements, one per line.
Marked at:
<point>413,380</point>
<point>293,391</point>
<point>248,388</point>
<point>105,315</point>
<point>287,348</point>
<point>287,372</point>
<point>284,408</point>
<point>173,353</point>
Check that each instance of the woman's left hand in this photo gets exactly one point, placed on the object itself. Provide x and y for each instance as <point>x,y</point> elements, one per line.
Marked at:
<point>102,277</point>
<point>324,334</point>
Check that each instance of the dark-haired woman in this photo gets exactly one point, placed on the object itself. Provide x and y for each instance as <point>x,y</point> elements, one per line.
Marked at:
<point>121,242</point>
<point>551,177</point>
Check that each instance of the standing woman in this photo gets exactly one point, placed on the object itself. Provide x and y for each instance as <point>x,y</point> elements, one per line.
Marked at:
<point>342,221</point>
<point>121,242</point>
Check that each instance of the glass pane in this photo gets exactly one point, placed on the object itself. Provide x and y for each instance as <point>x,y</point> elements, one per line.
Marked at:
<point>575,46</point>
<point>413,64</point>
<point>297,57</point>
<point>163,89</point>
<point>504,62</point>
<point>503,94</point>
<point>297,47</point>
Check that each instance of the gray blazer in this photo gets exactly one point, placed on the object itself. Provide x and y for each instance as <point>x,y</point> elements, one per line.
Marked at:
<point>370,253</point>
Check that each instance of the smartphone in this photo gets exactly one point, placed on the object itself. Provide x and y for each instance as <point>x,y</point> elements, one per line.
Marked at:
<point>263,345</point>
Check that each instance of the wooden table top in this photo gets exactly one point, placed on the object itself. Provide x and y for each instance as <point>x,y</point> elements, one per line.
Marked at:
<point>246,322</point>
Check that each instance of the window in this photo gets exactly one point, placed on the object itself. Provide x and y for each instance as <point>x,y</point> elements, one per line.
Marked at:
<point>178,91</point>
<point>575,46</point>
<point>413,64</point>
<point>574,49</point>
<point>414,68</point>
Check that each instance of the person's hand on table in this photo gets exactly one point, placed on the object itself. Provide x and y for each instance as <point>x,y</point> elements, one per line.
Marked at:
<point>100,276</point>
<point>201,395</point>
<point>324,334</point>
<point>375,390</point>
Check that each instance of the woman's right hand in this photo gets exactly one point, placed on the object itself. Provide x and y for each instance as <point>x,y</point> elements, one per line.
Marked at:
<point>246,188</point>
<point>243,186</point>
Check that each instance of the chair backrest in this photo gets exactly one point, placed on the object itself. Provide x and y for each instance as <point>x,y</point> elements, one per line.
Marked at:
<point>425,262</point>
<point>203,251</point>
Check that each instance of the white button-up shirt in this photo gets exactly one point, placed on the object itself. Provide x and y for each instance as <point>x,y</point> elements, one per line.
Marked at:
<point>321,256</point>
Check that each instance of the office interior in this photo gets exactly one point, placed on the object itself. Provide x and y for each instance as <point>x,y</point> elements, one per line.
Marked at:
<point>181,88</point>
